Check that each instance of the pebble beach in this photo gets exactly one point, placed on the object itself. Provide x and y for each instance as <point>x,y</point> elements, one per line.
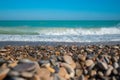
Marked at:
<point>60,61</point>
<point>59,40</point>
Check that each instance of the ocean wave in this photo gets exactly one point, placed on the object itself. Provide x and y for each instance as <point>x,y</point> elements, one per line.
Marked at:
<point>62,34</point>
<point>59,31</point>
<point>79,31</point>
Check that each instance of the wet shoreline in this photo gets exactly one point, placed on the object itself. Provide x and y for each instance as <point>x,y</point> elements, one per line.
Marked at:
<point>38,43</point>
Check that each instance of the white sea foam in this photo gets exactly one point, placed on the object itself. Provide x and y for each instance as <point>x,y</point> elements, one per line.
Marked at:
<point>79,31</point>
<point>61,38</point>
<point>65,35</point>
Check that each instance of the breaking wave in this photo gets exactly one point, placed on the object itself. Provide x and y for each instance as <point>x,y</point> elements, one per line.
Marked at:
<point>59,31</point>
<point>60,34</point>
<point>79,31</point>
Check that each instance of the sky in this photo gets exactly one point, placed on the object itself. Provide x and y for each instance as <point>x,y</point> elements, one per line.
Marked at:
<point>59,9</point>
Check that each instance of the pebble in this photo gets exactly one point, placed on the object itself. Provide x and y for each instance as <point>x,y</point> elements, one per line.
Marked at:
<point>100,74</point>
<point>57,53</point>
<point>89,63</point>
<point>41,62</point>
<point>106,59</point>
<point>3,66</point>
<point>60,58</point>
<point>89,50</point>
<point>93,73</point>
<point>91,67</point>
<point>36,77</point>
<point>13,64</point>
<point>14,73</point>
<point>115,72</point>
<point>57,77</point>
<point>116,47</point>
<point>118,69</point>
<point>113,78</point>
<point>115,65</point>
<point>81,77</point>
<point>26,74</point>
<point>90,55</point>
<point>3,50</point>
<point>73,65</point>
<point>2,61</point>
<point>24,61</point>
<point>17,78</point>
<point>50,69</point>
<point>44,74</point>
<point>103,65</point>
<point>56,68</point>
<point>82,57</point>
<point>114,59</point>
<point>37,67</point>
<point>85,71</point>
<point>74,47</point>
<point>53,57</point>
<point>63,73</point>
<point>78,72</point>
<point>3,73</point>
<point>105,78</point>
<point>24,67</point>
<point>68,59</point>
<point>109,71</point>
<point>78,65</point>
<point>53,62</point>
<point>69,69</point>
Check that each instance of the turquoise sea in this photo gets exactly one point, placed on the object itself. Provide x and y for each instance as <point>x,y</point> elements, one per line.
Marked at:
<point>60,30</point>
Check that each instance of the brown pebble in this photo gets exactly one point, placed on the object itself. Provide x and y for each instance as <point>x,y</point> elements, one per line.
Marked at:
<point>57,53</point>
<point>36,77</point>
<point>69,69</point>
<point>3,73</point>
<point>87,77</point>
<point>89,63</point>
<point>63,73</point>
<point>57,77</point>
<point>3,50</point>
<point>93,73</point>
<point>82,57</point>
<point>68,59</point>
<point>73,65</point>
<point>44,74</point>
<point>4,66</point>
<point>109,71</point>
<point>78,65</point>
<point>13,64</point>
<point>78,72</point>
<point>100,74</point>
<point>26,74</point>
<point>50,69</point>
